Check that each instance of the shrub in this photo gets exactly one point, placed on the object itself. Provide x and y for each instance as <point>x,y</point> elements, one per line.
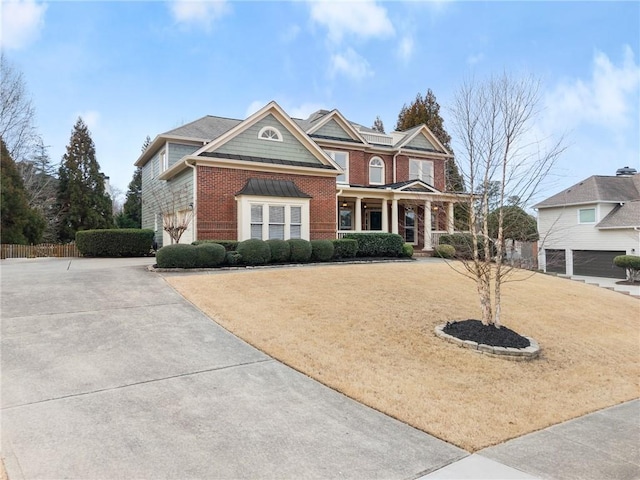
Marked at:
<point>631,263</point>
<point>177,256</point>
<point>229,245</point>
<point>463,244</point>
<point>254,252</point>
<point>378,244</point>
<point>300,250</point>
<point>321,250</point>
<point>445,251</point>
<point>232,258</point>
<point>280,250</point>
<point>209,255</point>
<point>345,248</point>
<point>120,242</point>
<point>407,250</point>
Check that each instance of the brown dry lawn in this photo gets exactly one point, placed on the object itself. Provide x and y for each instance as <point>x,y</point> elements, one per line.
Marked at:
<point>367,331</point>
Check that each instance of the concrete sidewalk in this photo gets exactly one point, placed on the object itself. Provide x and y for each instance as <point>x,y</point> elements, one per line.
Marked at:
<point>108,373</point>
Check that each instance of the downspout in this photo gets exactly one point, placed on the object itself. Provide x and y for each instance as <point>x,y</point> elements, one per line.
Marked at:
<point>338,212</point>
<point>394,165</point>
<point>195,199</point>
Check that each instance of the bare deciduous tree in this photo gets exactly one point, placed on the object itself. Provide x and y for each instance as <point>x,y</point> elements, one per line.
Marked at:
<point>494,123</point>
<point>176,209</point>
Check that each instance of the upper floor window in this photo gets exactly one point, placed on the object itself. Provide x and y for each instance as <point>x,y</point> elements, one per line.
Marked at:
<point>376,171</point>
<point>587,215</point>
<point>342,159</point>
<point>270,133</point>
<point>421,170</point>
<point>164,163</point>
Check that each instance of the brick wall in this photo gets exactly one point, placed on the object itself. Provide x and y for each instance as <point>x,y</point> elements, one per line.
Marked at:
<point>217,209</point>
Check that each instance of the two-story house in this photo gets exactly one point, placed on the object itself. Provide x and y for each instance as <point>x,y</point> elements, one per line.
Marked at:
<point>585,226</point>
<point>273,176</point>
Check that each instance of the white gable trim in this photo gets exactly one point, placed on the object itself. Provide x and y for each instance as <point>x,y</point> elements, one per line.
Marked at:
<point>343,122</point>
<point>429,136</point>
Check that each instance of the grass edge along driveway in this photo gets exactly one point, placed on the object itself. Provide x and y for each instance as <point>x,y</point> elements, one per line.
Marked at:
<point>367,331</point>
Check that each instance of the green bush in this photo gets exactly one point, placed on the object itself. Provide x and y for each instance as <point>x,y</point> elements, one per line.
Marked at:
<point>209,255</point>
<point>321,250</point>
<point>631,263</point>
<point>120,242</point>
<point>229,245</point>
<point>407,250</point>
<point>300,250</point>
<point>445,251</point>
<point>177,256</point>
<point>378,244</point>
<point>254,252</point>
<point>280,250</point>
<point>463,244</point>
<point>345,248</point>
<point>232,258</point>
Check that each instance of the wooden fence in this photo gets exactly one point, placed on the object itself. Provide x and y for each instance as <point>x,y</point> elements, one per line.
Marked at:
<point>42,250</point>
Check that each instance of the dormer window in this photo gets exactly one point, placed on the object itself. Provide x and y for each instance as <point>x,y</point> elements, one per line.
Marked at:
<point>270,133</point>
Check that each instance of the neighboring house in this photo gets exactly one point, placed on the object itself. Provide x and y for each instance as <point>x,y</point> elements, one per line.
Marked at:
<point>584,227</point>
<point>271,176</point>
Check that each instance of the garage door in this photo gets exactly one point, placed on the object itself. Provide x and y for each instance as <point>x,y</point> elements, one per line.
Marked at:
<point>555,261</point>
<point>595,263</point>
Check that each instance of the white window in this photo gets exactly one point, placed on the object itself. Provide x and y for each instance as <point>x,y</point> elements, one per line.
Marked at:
<point>376,171</point>
<point>270,133</point>
<point>164,163</point>
<point>410,227</point>
<point>587,215</point>
<point>268,218</point>
<point>346,217</point>
<point>342,159</point>
<point>421,170</point>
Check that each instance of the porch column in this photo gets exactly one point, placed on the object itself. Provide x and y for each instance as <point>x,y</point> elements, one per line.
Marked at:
<point>450,218</point>
<point>385,216</point>
<point>427,226</point>
<point>358,226</point>
<point>394,216</point>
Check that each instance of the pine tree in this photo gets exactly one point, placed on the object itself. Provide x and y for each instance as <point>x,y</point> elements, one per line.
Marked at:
<point>147,142</point>
<point>20,224</point>
<point>427,111</point>
<point>378,126</point>
<point>131,216</point>
<point>81,188</point>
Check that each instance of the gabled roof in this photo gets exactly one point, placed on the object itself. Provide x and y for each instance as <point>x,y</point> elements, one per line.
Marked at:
<point>596,189</point>
<point>207,128</point>
<point>340,120</point>
<point>272,188</point>
<point>412,133</point>
<point>626,215</point>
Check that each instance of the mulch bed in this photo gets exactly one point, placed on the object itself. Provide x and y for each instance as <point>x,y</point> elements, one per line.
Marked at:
<point>475,331</point>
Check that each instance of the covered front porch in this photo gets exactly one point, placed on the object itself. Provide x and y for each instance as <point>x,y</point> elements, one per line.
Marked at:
<point>419,214</point>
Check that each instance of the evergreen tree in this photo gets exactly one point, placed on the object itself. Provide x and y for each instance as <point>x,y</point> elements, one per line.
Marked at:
<point>378,126</point>
<point>131,216</point>
<point>20,224</point>
<point>147,142</point>
<point>427,111</point>
<point>82,197</point>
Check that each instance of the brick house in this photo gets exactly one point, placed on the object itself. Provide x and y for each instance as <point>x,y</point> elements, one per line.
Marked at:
<point>273,176</point>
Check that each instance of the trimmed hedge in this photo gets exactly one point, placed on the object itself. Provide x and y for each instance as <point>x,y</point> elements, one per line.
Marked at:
<point>463,244</point>
<point>254,252</point>
<point>377,244</point>
<point>407,250</point>
<point>445,251</point>
<point>632,265</point>
<point>321,250</point>
<point>280,250</point>
<point>178,255</point>
<point>300,250</point>
<point>117,242</point>
<point>209,255</point>
<point>232,258</point>
<point>229,245</point>
<point>345,248</point>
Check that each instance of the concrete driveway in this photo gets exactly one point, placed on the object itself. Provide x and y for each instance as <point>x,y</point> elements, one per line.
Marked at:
<point>108,373</point>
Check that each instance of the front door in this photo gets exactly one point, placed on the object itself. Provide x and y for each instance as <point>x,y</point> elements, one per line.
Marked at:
<point>374,220</point>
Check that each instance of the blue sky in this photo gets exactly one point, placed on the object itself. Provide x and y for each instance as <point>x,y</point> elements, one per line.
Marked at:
<point>133,69</point>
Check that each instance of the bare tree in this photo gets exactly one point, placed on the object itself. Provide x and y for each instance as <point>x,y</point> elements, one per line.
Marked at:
<point>494,122</point>
<point>17,114</point>
<point>176,207</point>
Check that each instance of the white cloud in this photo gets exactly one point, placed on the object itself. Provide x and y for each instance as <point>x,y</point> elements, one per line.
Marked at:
<point>91,119</point>
<point>405,48</point>
<point>254,107</point>
<point>290,33</point>
<point>608,99</point>
<point>303,110</point>
<point>350,64</point>
<point>198,13</point>
<point>363,18</point>
<point>22,21</point>
<point>475,59</point>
